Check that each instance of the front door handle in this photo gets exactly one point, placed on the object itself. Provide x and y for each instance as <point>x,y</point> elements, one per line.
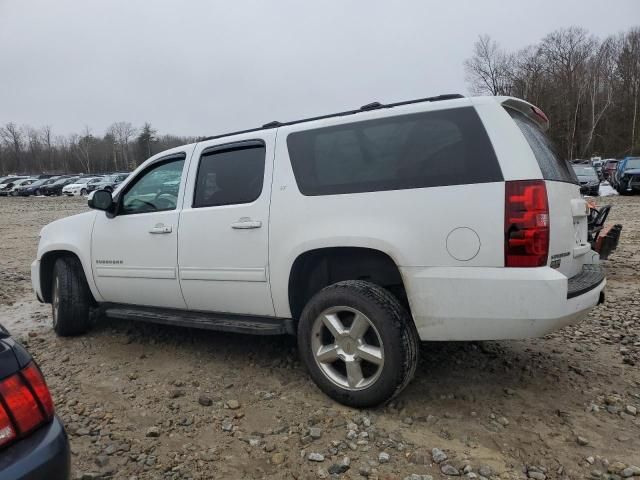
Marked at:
<point>161,228</point>
<point>246,223</point>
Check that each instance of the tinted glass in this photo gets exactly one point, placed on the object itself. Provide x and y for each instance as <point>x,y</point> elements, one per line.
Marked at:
<point>632,163</point>
<point>585,171</point>
<point>230,177</point>
<point>445,147</point>
<point>551,166</point>
<point>155,189</point>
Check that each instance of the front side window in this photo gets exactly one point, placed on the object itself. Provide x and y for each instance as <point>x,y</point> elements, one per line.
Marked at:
<point>229,177</point>
<point>155,190</point>
<point>438,148</point>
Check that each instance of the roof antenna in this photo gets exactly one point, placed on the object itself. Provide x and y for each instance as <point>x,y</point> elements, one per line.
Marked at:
<point>371,106</point>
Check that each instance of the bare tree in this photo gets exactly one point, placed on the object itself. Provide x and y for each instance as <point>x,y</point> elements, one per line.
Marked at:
<point>46,137</point>
<point>122,133</point>
<point>12,137</point>
<point>488,69</point>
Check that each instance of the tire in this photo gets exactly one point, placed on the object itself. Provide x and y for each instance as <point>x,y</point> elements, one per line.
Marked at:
<point>70,298</point>
<point>37,193</point>
<point>390,336</point>
<point>83,192</point>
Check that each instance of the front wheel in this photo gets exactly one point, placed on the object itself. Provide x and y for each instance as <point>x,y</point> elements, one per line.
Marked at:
<point>83,192</point>
<point>358,342</point>
<point>70,298</point>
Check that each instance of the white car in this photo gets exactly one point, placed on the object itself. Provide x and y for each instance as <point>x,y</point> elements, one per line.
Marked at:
<point>80,187</point>
<point>7,187</point>
<point>363,233</point>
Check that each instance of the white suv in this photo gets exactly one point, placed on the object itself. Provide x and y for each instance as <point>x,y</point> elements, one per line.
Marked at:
<point>363,233</point>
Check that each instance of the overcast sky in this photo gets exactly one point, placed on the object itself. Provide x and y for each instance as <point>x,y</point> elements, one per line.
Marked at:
<point>206,67</point>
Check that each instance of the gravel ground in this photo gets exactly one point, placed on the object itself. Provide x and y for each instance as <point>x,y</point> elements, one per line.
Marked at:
<point>143,401</point>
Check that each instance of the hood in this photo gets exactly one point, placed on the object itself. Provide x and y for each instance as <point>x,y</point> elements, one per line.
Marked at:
<point>68,222</point>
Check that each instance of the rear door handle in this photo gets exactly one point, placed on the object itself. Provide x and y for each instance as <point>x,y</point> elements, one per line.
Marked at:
<point>244,224</point>
<point>160,228</point>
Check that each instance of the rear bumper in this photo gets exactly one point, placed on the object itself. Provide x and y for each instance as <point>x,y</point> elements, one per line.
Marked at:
<point>482,303</point>
<point>42,455</point>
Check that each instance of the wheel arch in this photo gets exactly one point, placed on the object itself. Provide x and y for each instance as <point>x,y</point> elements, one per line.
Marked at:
<point>47,262</point>
<point>317,268</point>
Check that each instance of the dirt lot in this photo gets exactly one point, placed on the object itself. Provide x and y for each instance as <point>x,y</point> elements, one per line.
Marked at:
<point>144,401</point>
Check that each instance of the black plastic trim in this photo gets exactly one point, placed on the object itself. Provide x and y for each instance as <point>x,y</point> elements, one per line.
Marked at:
<point>220,321</point>
<point>589,278</point>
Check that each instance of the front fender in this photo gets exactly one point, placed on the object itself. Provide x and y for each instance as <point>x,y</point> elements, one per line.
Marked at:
<point>73,235</point>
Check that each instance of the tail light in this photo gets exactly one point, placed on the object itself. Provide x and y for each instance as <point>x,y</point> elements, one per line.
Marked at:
<point>526,224</point>
<point>25,404</point>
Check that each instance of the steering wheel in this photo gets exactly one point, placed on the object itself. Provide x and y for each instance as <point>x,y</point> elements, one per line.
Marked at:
<point>165,200</point>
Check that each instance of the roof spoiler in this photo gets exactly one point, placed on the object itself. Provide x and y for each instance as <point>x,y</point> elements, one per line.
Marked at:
<point>528,109</point>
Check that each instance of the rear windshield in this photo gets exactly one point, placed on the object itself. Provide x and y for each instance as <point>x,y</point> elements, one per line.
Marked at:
<point>585,171</point>
<point>444,147</point>
<point>632,163</point>
<point>552,167</point>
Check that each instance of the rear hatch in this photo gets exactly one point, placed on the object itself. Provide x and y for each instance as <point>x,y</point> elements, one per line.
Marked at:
<point>568,244</point>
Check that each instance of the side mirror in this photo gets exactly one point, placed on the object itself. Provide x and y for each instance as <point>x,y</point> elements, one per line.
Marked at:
<point>101,200</point>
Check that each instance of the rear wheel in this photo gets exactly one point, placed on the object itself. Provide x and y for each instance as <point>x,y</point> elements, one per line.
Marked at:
<point>70,298</point>
<point>83,192</point>
<point>358,343</point>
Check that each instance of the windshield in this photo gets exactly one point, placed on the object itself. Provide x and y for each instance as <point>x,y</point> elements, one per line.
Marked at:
<point>632,163</point>
<point>584,171</point>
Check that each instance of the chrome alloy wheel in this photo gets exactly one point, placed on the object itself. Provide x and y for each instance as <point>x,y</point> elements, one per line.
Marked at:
<point>347,348</point>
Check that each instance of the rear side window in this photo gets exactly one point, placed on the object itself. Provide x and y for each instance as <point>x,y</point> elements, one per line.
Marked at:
<point>231,176</point>
<point>444,147</point>
<point>551,166</point>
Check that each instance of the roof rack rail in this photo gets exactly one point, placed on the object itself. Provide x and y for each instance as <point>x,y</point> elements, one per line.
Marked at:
<point>364,108</point>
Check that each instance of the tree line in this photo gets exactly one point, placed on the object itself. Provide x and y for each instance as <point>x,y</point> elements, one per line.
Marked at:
<point>588,87</point>
<point>29,150</point>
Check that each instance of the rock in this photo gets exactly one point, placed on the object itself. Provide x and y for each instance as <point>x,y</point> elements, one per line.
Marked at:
<point>322,473</point>
<point>590,460</point>
<point>364,470</point>
<point>233,404</point>
<point>277,458</point>
<point>536,475</point>
<point>582,441</point>
<point>153,432</point>
<point>449,470</point>
<point>315,457</point>
<point>467,469</point>
<point>630,471</point>
<point>205,400</point>
<point>438,455</point>
<point>384,457</point>
<point>315,432</point>
<point>338,469</point>
<point>176,393</point>
<point>503,421</point>
<point>227,426</point>
<point>631,410</point>
<point>416,476</point>
<point>485,471</point>
<point>101,460</point>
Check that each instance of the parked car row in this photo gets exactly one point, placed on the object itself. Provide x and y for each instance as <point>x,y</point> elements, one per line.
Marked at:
<point>626,176</point>
<point>48,185</point>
